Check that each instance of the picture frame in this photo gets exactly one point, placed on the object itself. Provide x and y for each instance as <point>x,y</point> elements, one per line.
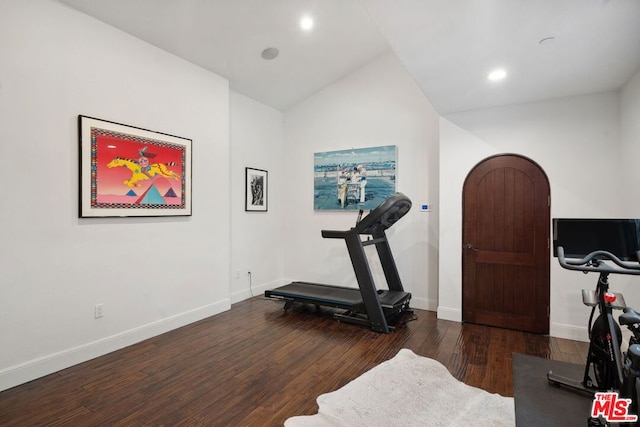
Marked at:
<point>127,171</point>
<point>256,190</point>
<point>355,178</point>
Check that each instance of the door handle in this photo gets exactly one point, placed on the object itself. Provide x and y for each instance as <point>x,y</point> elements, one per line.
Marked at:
<point>470,247</point>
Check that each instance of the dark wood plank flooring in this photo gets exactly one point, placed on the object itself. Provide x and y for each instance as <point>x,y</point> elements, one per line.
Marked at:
<point>257,365</point>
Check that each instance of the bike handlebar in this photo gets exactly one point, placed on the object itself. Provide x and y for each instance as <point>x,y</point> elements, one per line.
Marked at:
<point>591,263</point>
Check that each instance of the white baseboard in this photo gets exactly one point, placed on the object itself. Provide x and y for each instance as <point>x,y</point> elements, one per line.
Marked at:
<point>424,304</point>
<point>28,371</point>
<point>453,314</point>
<point>255,290</point>
<point>570,332</point>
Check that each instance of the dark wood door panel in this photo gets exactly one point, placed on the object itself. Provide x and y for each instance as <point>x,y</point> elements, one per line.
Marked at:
<point>505,244</point>
<point>502,257</point>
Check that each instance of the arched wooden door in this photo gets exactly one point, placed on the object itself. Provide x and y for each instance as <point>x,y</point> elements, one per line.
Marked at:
<point>505,237</point>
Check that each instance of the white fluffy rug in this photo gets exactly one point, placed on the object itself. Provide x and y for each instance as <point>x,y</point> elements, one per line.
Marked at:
<point>409,390</point>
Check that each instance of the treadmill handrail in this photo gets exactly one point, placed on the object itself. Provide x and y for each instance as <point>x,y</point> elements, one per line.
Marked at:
<point>378,220</point>
<point>336,234</point>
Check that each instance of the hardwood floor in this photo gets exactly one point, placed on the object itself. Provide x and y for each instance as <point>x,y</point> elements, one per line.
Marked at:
<point>257,365</point>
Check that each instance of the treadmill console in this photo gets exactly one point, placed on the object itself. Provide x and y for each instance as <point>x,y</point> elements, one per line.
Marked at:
<point>385,215</point>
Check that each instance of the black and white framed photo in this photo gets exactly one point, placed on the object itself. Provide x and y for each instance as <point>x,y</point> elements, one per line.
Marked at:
<point>256,194</point>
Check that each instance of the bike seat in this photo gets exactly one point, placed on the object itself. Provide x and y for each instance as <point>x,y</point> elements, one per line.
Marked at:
<point>629,317</point>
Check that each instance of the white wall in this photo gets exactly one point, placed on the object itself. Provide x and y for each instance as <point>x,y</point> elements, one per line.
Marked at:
<point>374,106</point>
<point>257,137</point>
<point>151,274</point>
<point>576,142</point>
<point>630,137</point>
<point>155,274</point>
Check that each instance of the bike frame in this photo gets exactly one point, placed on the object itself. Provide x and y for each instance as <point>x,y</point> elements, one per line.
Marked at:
<point>611,354</point>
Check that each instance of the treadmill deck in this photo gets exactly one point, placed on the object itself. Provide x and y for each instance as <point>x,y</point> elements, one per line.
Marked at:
<point>336,296</point>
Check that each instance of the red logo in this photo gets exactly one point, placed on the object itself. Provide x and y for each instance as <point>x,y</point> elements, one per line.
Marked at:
<point>612,408</point>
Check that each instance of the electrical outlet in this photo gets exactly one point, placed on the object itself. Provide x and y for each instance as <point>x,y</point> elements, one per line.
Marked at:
<point>237,274</point>
<point>99,311</point>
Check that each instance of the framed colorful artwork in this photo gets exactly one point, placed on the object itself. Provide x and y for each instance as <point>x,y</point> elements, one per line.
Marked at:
<point>354,179</point>
<point>129,171</point>
<point>256,190</point>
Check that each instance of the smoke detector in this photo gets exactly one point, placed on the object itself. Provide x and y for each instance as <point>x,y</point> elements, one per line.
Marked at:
<point>270,53</point>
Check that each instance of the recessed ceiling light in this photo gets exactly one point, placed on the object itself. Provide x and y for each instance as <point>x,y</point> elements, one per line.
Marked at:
<point>497,74</point>
<point>306,23</point>
<point>270,53</point>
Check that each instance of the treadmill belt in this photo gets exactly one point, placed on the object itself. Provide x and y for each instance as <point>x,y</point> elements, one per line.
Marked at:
<point>323,294</point>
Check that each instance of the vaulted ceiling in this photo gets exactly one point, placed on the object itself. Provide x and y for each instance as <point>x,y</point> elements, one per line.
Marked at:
<point>548,48</point>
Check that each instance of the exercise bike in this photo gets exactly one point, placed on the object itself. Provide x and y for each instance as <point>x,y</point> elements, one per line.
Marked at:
<point>607,367</point>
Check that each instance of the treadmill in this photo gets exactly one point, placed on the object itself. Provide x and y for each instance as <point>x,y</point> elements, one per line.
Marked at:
<point>364,305</point>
